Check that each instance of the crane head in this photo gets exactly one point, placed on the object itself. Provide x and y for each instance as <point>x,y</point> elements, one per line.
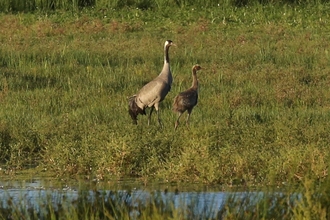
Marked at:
<point>169,43</point>
<point>197,67</point>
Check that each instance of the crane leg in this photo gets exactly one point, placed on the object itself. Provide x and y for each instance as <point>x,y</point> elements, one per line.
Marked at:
<point>187,120</point>
<point>177,121</point>
<point>158,117</point>
<point>149,116</point>
<point>159,121</point>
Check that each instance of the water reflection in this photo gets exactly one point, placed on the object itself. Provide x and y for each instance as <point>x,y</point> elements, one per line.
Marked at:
<point>38,195</point>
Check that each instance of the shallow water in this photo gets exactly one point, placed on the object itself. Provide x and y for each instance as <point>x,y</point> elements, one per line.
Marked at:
<point>202,201</point>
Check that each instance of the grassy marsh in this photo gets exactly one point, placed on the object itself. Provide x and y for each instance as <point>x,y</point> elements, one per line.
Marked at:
<point>262,118</point>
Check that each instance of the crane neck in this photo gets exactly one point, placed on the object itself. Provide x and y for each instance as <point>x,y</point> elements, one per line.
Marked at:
<point>166,56</point>
<point>166,67</point>
<point>195,81</point>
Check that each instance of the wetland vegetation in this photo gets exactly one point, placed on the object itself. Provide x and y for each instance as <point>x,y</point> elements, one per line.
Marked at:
<point>263,112</point>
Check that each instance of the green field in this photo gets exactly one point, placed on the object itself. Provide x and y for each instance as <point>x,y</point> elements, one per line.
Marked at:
<point>262,118</point>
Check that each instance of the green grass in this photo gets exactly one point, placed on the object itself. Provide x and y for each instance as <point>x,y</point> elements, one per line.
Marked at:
<point>14,6</point>
<point>262,118</point>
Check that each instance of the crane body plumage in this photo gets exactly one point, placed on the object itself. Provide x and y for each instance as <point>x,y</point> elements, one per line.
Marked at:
<point>187,100</point>
<point>151,94</point>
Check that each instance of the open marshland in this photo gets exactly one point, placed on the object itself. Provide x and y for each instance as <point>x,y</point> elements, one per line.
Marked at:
<point>263,113</point>
<point>262,118</point>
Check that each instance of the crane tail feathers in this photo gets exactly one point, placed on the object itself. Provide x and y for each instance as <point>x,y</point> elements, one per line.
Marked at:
<point>134,110</point>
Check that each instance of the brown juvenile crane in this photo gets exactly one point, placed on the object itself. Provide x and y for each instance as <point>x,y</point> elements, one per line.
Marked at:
<point>186,101</point>
<point>151,94</point>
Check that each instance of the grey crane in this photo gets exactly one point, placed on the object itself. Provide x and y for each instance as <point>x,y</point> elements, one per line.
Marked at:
<point>186,101</point>
<point>151,94</point>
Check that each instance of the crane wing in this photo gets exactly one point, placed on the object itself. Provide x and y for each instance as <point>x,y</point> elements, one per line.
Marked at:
<point>153,92</point>
<point>189,98</point>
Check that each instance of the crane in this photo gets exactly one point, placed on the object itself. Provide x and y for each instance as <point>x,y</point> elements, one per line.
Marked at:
<point>186,101</point>
<point>151,94</point>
